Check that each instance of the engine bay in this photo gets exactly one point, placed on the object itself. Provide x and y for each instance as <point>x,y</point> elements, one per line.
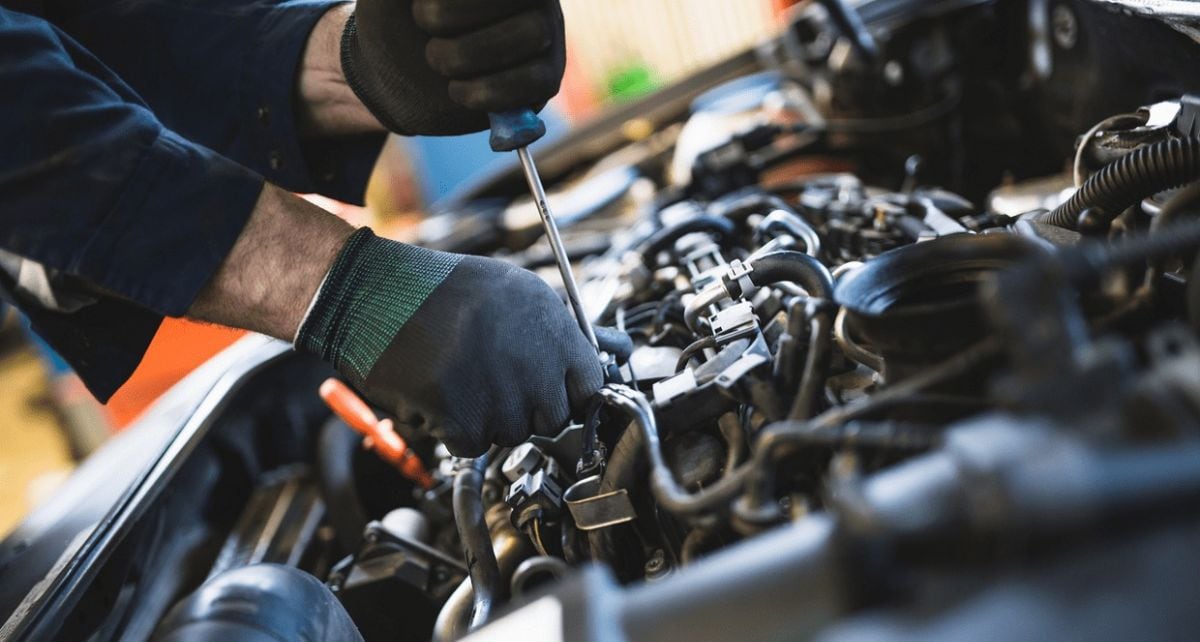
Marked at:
<point>901,342</point>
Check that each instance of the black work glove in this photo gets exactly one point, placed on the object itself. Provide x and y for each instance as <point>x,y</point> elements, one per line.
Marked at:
<point>480,350</point>
<point>436,67</point>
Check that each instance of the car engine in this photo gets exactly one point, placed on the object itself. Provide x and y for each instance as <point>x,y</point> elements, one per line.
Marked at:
<point>899,316</point>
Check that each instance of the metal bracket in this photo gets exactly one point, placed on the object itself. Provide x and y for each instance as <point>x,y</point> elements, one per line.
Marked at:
<point>593,510</point>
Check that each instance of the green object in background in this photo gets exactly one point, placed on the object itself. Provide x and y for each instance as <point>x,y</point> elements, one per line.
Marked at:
<point>631,82</point>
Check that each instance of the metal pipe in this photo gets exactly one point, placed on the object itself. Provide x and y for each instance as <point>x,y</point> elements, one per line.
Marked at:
<point>533,572</point>
<point>850,348</point>
<point>702,301</point>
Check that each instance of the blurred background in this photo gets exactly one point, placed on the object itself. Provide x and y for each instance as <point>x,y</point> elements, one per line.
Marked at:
<point>616,52</point>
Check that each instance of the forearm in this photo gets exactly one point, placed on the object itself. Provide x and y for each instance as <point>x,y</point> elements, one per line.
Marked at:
<point>275,268</point>
<point>326,106</point>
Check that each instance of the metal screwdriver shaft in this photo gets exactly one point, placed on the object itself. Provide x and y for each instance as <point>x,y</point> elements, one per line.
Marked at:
<point>556,244</point>
<point>515,131</point>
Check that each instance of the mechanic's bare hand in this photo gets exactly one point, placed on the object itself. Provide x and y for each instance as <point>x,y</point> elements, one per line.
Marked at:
<point>436,67</point>
<point>483,351</point>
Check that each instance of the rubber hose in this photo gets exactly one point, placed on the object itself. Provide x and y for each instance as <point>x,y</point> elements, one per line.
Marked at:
<point>477,543</point>
<point>626,464</point>
<point>666,237</point>
<point>1125,181</point>
<point>741,205</point>
<point>793,225</point>
<point>798,267</point>
<point>511,547</point>
<point>1087,261</point>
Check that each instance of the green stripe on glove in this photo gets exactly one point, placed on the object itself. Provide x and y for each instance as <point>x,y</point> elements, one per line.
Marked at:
<point>372,290</point>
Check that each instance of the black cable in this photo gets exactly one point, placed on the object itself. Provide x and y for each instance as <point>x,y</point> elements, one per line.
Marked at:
<point>692,350</point>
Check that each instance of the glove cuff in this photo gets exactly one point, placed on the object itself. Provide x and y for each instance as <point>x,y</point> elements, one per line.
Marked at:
<point>373,288</point>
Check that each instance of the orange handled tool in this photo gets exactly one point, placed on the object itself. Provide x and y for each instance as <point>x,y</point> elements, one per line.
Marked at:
<point>378,434</point>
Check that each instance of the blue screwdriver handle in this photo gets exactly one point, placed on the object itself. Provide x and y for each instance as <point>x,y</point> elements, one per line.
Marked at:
<point>512,130</point>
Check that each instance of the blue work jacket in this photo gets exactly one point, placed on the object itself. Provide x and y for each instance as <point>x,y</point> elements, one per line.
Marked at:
<point>135,139</point>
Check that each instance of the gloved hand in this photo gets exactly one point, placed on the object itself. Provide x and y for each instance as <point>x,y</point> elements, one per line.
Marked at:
<point>482,351</point>
<point>436,67</point>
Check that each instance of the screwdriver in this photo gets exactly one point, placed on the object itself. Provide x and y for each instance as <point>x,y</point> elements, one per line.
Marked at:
<point>516,130</point>
<point>378,434</point>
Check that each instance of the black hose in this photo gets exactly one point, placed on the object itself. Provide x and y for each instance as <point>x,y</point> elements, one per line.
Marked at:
<point>780,222</point>
<point>1127,180</point>
<point>1087,261</point>
<point>773,437</point>
<point>789,265</point>
<point>663,239</point>
<point>477,543</point>
<point>625,466</point>
<point>888,435</point>
<point>740,205</point>
<point>816,364</point>
<point>671,497</point>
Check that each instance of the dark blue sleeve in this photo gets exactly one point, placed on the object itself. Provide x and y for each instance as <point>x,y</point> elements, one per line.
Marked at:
<point>93,185</point>
<point>223,73</point>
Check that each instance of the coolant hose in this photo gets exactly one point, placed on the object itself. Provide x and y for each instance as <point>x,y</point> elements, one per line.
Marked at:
<point>1125,181</point>
<point>742,204</point>
<point>625,466</point>
<point>768,269</point>
<point>666,489</point>
<point>486,582</point>
<point>785,222</point>
<point>797,267</point>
